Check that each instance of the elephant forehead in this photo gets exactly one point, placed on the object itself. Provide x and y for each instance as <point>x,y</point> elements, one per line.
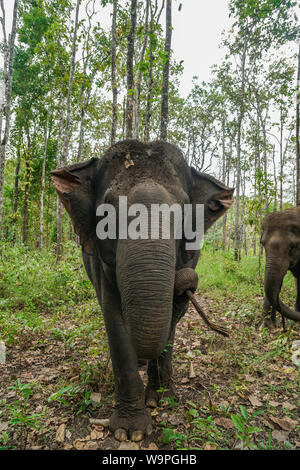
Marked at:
<point>284,220</point>
<point>151,192</point>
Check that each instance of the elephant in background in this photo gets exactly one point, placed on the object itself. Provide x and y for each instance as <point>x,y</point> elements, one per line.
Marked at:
<point>134,279</point>
<point>281,241</point>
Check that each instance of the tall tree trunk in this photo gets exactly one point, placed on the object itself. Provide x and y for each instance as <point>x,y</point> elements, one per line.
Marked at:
<point>8,70</point>
<point>70,88</point>
<point>113,75</point>
<point>297,134</point>
<point>166,70</point>
<point>238,160</point>
<point>139,77</point>
<point>59,208</point>
<point>281,161</point>
<point>150,89</point>
<point>17,176</point>
<point>26,191</point>
<point>43,183</point>
<point>275,180</point>
<point>130,77</point>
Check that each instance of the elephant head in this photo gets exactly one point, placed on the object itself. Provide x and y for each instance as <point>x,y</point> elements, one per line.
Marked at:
<point>281,241</point>
<point>152,173</point>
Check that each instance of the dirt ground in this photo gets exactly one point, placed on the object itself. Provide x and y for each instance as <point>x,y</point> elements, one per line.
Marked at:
<point>57,395</point>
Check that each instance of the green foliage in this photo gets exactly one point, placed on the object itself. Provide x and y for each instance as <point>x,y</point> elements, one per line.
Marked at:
<point>31,282</point>
<point>245,430</point>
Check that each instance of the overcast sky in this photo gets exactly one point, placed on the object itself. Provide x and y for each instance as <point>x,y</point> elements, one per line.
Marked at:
<point>196,35</point>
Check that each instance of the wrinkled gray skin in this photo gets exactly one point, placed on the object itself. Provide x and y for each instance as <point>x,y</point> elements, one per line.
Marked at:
<point>281,241</point>
<point>134,279</point>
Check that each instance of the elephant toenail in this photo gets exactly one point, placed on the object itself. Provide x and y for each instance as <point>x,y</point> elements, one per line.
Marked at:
<point>136,436</point>
<point>120,435</point>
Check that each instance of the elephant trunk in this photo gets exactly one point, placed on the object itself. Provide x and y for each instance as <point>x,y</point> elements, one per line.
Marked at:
<point>146,271</point>
<point>275,272</point>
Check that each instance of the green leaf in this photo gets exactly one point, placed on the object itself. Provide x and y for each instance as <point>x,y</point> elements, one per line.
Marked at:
<point>237,421</point>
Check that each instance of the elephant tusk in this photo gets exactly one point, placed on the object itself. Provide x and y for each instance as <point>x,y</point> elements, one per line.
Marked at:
<point>218,329</point>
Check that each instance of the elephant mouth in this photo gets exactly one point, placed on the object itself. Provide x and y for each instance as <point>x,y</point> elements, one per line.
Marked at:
<point>186,283</point>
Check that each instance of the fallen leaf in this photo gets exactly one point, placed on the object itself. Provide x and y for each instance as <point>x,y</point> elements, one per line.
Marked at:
<point>287,424</point>
<point>288,370</point>
<point>96,434</point>
<point>60,433</point>
<point>280,436</point>
<point>91,445</point>
<point>4,426</point>
<point>208,446</point>
<point>288,406</point>
<point>96,397</point>
<point>274,403</point>
<point>225,423</point>
<point>192,374</point>
<point>254,400</point>
<point>79,444</point>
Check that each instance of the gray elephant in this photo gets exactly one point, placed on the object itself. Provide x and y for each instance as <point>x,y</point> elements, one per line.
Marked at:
<point>140,283</point>
<point>281,241</point>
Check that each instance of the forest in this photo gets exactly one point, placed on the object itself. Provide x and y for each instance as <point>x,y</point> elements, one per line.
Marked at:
<point>76,77</point>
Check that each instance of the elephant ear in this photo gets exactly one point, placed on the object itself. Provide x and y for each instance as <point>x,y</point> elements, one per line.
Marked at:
<point>216,197</point>
<point>75,188</point>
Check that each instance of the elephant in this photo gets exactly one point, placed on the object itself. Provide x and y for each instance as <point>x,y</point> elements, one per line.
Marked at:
<point>139,283</point>
<point>281,241</point>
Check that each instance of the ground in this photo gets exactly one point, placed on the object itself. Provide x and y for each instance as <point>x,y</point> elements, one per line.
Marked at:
<point>231,393</point>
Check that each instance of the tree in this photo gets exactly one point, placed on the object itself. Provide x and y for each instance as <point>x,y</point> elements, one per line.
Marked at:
<point>113,74</point>
<point>297,134</point>
<point>130,75</point>
<point>9,49</point>
<point>165,83</point>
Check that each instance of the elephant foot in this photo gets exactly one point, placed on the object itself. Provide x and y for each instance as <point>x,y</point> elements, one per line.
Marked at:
<point>155,395</point>
<point>269,322</point>
<point>130,424</point>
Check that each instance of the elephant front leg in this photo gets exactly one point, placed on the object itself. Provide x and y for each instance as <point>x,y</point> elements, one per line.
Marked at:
<point>269,314</point>
<point>130,418</point>
<point>159,371</point>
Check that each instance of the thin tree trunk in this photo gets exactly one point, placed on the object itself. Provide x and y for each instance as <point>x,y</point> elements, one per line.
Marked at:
<point>59,208</point>
<point>275,180</point>
<point>297,134</point>
<point>17,176</point>
<point>166,71</point>
<point>149,93</point>
<point>281,161</point>
<point>70,88</point>
<point>43,183</point>
<point>139,78</point>
<point>26,193</point>
<point>113,75</point>
<point>238,162</point>
<point>130,76</point>
<point>9,47</point>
